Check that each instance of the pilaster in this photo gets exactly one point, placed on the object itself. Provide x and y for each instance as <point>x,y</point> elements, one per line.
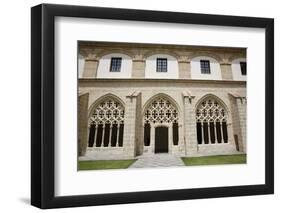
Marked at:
<point>239,120</point>
<point>138,70</point>
<point>242,107</point>
<point>83,123</point>
<point>226,71</point>
<point>91,66</point>
<point>184,68</point>
<point>190,124</point>
<point>130,133</point>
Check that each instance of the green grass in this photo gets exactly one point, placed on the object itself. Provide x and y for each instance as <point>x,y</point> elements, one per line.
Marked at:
<point>215,160</point>
<point>104,164</point>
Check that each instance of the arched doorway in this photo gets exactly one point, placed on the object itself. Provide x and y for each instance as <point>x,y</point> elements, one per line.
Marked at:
<point>160,120</point>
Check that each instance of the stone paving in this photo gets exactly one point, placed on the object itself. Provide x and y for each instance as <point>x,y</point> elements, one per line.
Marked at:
<point>157,160</point>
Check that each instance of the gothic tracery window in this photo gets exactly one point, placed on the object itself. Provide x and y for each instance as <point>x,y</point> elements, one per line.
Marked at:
<point>107,124</point>
<point>160,110</point>
<point>211,120</point>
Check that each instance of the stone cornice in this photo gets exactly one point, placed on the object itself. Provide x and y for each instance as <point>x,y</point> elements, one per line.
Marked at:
<point>111,45</point>
<point>142,80</point>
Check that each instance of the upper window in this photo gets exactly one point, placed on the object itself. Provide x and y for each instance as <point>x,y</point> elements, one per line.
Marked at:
<point>239,69</point>
<point>243,66</point>
<point>161,65</point>
<point>205,66</point>
<point>115,64</point>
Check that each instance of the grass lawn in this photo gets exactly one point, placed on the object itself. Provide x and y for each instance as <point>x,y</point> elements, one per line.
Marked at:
<point>105,164</point>
<point>215,160</point>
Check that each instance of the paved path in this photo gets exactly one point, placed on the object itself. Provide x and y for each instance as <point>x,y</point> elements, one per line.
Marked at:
<point>157,160</point>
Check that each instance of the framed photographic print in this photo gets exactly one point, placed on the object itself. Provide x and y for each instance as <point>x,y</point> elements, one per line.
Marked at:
<point>139,106</point>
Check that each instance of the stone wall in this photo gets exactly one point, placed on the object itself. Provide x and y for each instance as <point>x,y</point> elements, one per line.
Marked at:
<point>186,94</point>
<point>242,110</point>
<point>82,123</point>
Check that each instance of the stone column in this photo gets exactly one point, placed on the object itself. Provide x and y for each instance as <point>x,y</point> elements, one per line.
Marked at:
<point>226,71</point>
<point>96,133</point>
<point>190,124</point>
<point>117,137</point>
<point>152,138</point>
<point>209,132</point>
<point>102,137</point>
<point>138,70</point>
<point>110,135</point>
<point>83,123</point>
<point>129,139</point>
<point>170,139</point>
<point>90,66</point>
<point>242,110</point>
<point>215,131</point>
<point>184,68</point>
<point>222,136</point>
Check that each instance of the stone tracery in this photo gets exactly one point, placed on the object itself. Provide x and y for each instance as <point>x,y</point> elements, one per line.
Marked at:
<point>211,120</point>
<point>161,110</point>
<point>107,124</point>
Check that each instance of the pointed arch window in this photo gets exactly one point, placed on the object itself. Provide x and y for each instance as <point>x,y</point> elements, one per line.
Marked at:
<point>211,123</point>
<point>106,124</point>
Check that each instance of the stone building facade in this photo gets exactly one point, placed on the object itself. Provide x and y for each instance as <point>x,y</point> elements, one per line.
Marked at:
<point>145,99</point>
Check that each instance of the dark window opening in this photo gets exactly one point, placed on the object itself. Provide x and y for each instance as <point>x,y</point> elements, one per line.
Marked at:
<point>218,128</point>
<point>121,131</point>
<point>205,130</point>
<point>199,133</point>
<point>106,135</point>
<point>175,133</point>
<point>243,66</point>
<point>205,66</point>
<point>99,135</point>
<point>224,131</point>
<point>115,64</point>
<point>114,135</point>
<point>161,65</point>
<point>212,132</point>
<point>92,135</point>
<point>147,134</point>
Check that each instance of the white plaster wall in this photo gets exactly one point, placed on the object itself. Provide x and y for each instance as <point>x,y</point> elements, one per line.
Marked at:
<point>104,67</point>
<point>196,69</point>
<point>150,67</point>
<point>81,62</point>
<point>236,70</point>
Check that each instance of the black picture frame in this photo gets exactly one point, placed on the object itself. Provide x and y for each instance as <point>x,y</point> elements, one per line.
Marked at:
<point>43,105</point>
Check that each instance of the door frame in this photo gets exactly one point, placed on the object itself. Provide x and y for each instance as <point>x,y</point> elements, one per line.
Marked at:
<point>170,135</point>
<point>165,128</point>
